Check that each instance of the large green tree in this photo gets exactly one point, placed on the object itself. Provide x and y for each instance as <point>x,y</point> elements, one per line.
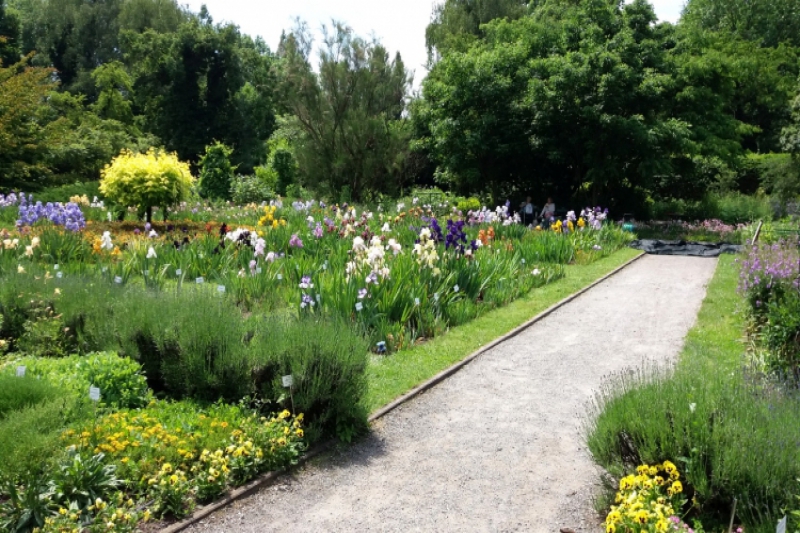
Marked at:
<point>571,100</point>
<point>765,22</point>
<point>202,83</point>
<point>457,23</point>
<point>349,115</point>
<point>9,35</point>
<point>77,36</point>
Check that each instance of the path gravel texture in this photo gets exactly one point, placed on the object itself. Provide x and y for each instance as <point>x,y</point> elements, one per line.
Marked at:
<point>499,445</point>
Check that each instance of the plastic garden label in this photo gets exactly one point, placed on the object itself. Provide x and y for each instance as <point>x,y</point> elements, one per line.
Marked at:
<point>416,301</point>
<point>220,289</point>
<point>108,216</point>
<point>781,526</point>
<point>319,298</point>
<point>146,271</point>
<point>199,280</point>
<point>56,267</point>
<point>105,269</point>
<point>59,274</point>
<point>523,261</point>
<point>21,371</point>
<point>94,394</point>
<point>178,272</point>
<point>279,276</point>
<point>288,381</point>
<point>359,306</point>
<point>456,288</point>
<point>258,270</point>
<point>117,279</point>
<point>436,296</point>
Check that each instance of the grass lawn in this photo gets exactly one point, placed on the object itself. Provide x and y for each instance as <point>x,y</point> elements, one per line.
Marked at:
<point>395,375</point>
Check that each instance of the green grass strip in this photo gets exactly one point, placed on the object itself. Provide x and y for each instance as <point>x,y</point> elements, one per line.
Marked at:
<point>397,374</point>
<point>714,344</point>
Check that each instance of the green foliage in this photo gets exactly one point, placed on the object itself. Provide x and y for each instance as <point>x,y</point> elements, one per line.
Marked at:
<point>767,22</point>
<point>18,393</point>
<point>204,82</point>
<point>9,36</point>
<point>154,179</point>
<point>216,172</point>
<point>281,166</point>
<point>25,138</point>
<point>468,204</point>
<point>457,23</point>
<point>115,87</point>
<point>63,193</point>
<point>780,334</point>
<point>348,118</point>
<point>730,434</point>
<point>250,189</point>
<point>25,507</point>
<point>30,438</point>
<point>120,380</point>
<point>731,208</point>
<point>79,481</point>
<point>534,94</point>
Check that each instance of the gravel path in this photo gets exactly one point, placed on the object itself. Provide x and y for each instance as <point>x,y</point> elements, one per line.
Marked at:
<point>497,446</point>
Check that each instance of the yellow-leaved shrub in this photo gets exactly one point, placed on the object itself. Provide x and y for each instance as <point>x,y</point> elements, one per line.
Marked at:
<point>153,179</point>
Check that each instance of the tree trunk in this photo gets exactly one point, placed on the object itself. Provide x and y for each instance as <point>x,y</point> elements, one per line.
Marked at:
<point>149,213</point>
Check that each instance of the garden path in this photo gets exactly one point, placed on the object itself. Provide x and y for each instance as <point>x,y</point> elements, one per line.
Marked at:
<point>499,445</point>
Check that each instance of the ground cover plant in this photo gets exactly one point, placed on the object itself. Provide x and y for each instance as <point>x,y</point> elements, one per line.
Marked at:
<point>187,328</point>
<point>732,432</point>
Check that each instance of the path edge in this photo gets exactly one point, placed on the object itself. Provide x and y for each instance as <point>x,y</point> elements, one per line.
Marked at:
<point>269,477</point>
<point>449,371</point>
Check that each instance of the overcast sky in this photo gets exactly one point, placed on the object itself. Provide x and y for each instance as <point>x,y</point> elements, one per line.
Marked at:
<point>399,24</point>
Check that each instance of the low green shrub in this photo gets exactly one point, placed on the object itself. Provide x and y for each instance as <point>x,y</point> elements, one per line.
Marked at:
<point>732,434</point>
<point>780,335</point>
<point>468,204</point>
<point>250,189</point>
<point>120,380</point>
<point>63,193</point>
<point>328,363</point>
<point>731,208</point>
<point>30,437</point>
<point>20,392</point>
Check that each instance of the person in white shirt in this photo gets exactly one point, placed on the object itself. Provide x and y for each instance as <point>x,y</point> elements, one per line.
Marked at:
<point>527,212</point>
<point>549,210</point>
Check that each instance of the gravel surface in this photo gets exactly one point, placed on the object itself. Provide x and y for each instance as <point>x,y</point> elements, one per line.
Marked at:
<point>498,446</point>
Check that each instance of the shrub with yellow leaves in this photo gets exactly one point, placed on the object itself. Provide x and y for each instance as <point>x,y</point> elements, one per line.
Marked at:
<point>154,179</point>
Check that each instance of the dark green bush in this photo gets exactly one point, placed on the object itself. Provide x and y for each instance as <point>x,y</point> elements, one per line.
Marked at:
<point>20,392</point>
<point>781,334</point>
<point>328,362</point>
<point>731,208</point>
<point>250,189</point>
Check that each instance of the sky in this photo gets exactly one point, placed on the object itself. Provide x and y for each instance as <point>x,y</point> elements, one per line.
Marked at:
<point>399,25</point>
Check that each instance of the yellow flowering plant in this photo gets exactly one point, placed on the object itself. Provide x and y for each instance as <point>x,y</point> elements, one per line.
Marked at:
<point>649,501</point>
<point>117,513</point>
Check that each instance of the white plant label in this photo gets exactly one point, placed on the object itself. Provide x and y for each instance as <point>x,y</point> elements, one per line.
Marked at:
<point>279,276</point>
<point>258,270</point>
<point>436,296</point>
<point>288,381</point>
<point>94,394</point>
<point>220,289</point>
<point>146,271</point>
<point>781,526</point>
<point>456,288</point>
<point>319,298</point>
<point>416,301</point>
<point>21,371</point>
<point>178,272</point>
<point>523,261</point>
<point>108,216</point>
<point>359,306</point>
<point>56,267</point>
<point>59,274</point>
<point>105,269</point>
<point>199,280</point>
<point>117,279</point>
